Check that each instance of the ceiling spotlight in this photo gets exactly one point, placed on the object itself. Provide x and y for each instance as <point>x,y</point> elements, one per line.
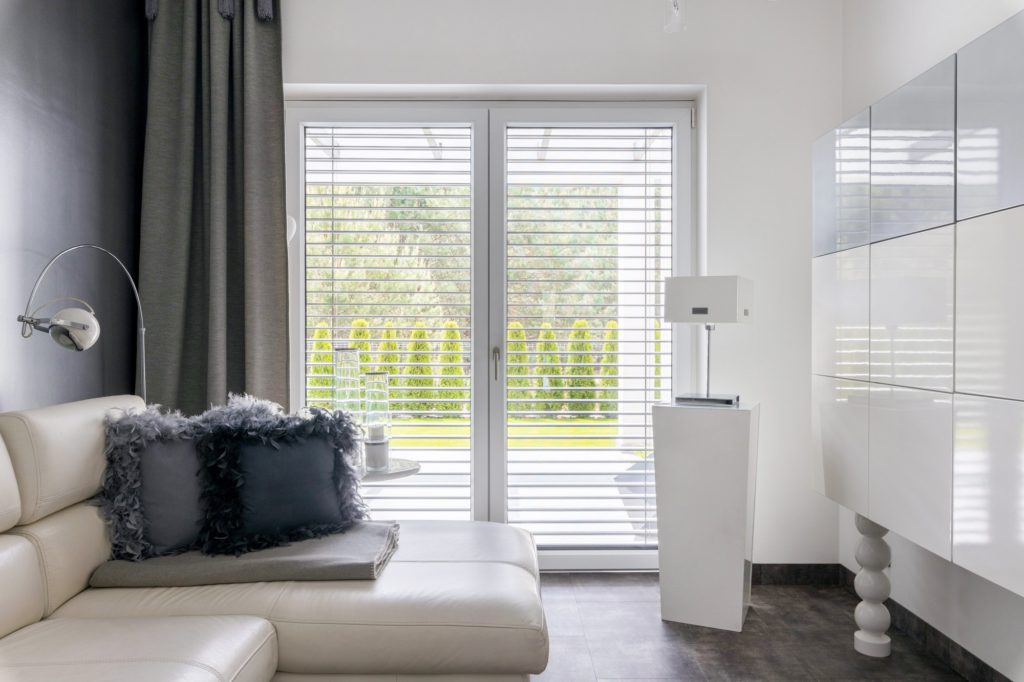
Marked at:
<point>676,16</point>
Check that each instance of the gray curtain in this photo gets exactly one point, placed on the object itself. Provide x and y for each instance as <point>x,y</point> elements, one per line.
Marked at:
<point>213,260</point>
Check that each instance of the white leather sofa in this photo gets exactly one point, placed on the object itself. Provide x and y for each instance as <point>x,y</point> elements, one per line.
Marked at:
<point>459,602</point>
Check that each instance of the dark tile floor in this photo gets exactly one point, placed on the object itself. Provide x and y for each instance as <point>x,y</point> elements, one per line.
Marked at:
<point>607,626</point>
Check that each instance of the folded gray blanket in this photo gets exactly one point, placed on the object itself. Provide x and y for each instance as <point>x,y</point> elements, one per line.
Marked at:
<point>360,553</point>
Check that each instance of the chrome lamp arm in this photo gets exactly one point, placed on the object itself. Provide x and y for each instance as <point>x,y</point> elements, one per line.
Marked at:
<point>29,322</point>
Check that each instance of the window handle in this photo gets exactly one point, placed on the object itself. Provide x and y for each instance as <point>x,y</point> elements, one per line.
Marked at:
<point>496,357</point>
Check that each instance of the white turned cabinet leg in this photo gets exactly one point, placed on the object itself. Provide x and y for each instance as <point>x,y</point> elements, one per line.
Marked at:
<point>872,586</point>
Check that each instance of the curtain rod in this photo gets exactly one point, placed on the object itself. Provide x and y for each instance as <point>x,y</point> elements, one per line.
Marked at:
<point>226,8</point>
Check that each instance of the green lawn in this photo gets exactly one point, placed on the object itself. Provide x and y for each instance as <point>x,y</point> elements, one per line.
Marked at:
<point>456,432</point>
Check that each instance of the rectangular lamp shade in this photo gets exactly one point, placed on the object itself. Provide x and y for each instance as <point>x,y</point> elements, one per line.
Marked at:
<point>709,300</point>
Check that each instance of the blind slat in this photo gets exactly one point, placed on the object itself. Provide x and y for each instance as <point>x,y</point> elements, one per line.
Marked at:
<point>588,244</point>
<point>388,225</point>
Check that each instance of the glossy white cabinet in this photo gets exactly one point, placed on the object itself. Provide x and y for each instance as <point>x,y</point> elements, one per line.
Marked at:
<point>918,333</point>
<point>990,121</point>
<point>912,155</point>
<point>839,421</point>
<point>910,468</point>
<point>988,489</point>
<point>990,305</point>
<point>841,186</point>
<point>912,289</point>
<point>839,314</point>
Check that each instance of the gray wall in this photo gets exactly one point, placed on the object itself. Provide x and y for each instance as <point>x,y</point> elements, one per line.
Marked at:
<point>72,99</point>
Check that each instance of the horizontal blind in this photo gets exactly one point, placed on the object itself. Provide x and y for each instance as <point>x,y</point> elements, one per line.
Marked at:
<point>588,245</point>
<point>387,270</point>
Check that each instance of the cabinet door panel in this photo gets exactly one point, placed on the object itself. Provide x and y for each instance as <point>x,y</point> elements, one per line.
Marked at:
<point>988,489</point>
<point>990,305</point>
<point>911,464</point>
<point>840,426</point>
<point>912,155</point>
<point>912,289</point>
<point>839,326</point>
<point>990,121</point>
<point>841,186</point>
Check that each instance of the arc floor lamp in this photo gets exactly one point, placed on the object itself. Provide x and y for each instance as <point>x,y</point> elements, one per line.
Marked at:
<point>77,328</point>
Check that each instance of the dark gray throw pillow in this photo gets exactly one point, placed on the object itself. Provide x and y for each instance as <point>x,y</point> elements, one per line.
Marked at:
<point>171,496</point>
<point>271,478</point>
<point>287,485</point>
<point>151,492</point>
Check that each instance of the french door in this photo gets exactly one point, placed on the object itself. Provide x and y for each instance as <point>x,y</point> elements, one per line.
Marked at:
<point>505,266</point>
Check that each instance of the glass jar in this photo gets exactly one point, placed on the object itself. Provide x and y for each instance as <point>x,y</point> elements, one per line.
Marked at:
<point>346,380</point>
<point>347,399</point>
<point>378,421</point>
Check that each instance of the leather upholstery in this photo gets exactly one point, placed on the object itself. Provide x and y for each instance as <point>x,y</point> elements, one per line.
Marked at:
<point>57,452</point>
<point>444,541</point>
<point>21,584</point>
<point>387,677</point>
<point>211,649</point>
<point>416,618</point>
<point>70,544</point>
<point>10,500</point>
<point>460,601</point>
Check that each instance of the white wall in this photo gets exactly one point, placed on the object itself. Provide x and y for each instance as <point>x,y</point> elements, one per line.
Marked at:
<point>886,43</point>
<point>772,75</point>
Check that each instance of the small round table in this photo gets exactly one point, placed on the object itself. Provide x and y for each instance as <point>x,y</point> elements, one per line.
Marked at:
<point>397,468</point>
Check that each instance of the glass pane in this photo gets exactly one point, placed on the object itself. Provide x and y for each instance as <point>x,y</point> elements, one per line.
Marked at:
<point>589,244</point>
<point>388,266</point>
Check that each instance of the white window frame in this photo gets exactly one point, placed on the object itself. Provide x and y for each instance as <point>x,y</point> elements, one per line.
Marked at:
<point>488,120</point>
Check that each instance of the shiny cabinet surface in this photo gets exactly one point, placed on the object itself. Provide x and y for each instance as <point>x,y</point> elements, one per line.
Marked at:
<point>918,317</point>
<point>912,155</point>
<point>990,305</point>
<point>990,121</point>
<point>988,489</point>
<point>840,430</point>
<point>912,290</point>
<point>911,464</point>
<point>841,186</point>
<point>839,312</point>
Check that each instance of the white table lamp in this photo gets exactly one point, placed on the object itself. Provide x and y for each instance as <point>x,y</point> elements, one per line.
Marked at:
<point>709,301</point>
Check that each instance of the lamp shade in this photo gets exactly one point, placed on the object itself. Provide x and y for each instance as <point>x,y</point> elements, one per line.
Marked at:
<point>75,328</point>
<point>709,300</point>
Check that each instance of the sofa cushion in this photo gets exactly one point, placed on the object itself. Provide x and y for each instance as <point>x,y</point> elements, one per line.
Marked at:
<point>57,452</point>
<point>425,618</point>
<point>412,677</point>
<point>456,610</point>
<point>271,478</point>
<point>70,545</point>
<point>10,500</point>
<point>151,487</point>
<point>21,584</point>
<point>443,541</point>
<point>205,649</point>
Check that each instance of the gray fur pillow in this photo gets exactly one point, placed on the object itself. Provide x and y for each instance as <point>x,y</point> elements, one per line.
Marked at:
<point>151,489</point>
<point>271,478</point>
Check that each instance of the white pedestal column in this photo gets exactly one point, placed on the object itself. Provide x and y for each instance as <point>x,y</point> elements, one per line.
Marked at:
<point>872,586</point>
<point>705,468</point>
